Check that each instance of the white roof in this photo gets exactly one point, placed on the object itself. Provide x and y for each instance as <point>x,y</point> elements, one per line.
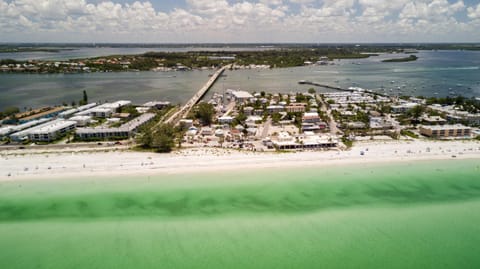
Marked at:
<point>154,103</point>
<point>53,126</point>
<point>446,127</point>
<point>242,94</point>
<point>80,118</point>
<point>15,128</point>
<point>310,114</point>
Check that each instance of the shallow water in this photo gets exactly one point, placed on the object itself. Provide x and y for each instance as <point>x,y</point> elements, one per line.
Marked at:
<point>405,215</point>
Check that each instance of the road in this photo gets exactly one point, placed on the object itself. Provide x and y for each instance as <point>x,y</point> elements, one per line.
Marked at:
<point>175,118</point>
<point>332,123</point>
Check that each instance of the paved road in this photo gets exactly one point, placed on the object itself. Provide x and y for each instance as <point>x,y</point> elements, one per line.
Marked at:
<point>332,123</point>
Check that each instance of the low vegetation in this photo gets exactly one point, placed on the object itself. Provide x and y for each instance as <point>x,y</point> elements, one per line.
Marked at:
<point>410,58</point>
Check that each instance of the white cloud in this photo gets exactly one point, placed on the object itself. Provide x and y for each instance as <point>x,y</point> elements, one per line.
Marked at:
<point>240,21</point>
<point>474,13</point>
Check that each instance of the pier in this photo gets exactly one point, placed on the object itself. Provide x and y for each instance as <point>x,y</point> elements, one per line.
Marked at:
<point>313,83</point>
<point>317,84</point>
<point>175,118</point>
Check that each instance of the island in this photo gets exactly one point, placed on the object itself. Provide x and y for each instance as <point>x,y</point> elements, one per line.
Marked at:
<point>410,58</point>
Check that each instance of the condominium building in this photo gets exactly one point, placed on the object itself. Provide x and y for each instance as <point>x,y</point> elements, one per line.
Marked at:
<point>124,131</point>
<point>445,131</point>
<point>45,132</point>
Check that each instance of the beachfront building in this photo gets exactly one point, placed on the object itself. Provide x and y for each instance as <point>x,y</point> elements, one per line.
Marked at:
<point>45,132</point>
<point>52,131</point>
<point>10,129</point>
<point>308,140</point>
<point>126,130</point>
<point>446,131</point>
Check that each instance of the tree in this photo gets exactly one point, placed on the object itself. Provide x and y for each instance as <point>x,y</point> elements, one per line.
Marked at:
<point>9,111</point>
<point>416,112</point>
<point>164,138</point>
<point>205,113</point>
<point>161,139</point>
<point>311,91</point>
<point>84,100</point>
<point>276,117</point>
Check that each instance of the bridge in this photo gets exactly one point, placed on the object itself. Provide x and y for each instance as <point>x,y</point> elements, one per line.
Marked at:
<point>177,116</point>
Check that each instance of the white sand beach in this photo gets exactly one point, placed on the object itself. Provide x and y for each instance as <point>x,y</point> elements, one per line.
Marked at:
<point>75,163</point>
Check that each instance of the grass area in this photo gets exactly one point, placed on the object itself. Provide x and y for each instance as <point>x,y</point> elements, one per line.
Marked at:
<point>409,133</point>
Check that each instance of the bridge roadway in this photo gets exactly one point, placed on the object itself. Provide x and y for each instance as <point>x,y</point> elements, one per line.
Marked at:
<point>177,116</point>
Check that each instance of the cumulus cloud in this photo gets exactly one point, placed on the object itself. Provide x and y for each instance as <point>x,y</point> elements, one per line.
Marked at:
<point>238,21</point>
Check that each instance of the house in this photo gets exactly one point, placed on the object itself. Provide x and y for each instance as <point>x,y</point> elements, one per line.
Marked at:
<point>186,123</point>
<point>206,131</point>
<point>311,117</point>
<point>296,108</point>
<point>432,120</point>
<point>225,120</point>
<point>275,109</point>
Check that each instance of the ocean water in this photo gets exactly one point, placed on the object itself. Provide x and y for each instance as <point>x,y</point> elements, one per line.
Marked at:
<point>435,73</point>
<point>400,215</point>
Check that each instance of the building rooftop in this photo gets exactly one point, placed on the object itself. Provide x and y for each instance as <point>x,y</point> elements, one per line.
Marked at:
<point>53,126</point>
<point>445,127</point>
<point>242,94</point>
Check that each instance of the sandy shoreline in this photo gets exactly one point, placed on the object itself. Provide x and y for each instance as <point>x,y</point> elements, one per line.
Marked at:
<point>23,165</point>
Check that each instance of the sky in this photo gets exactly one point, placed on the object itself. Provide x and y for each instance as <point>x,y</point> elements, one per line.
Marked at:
<point>240,21</point>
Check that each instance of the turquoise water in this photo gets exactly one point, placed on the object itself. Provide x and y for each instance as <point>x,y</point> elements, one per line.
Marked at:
<point>405,215</point>
<point>441,72</point>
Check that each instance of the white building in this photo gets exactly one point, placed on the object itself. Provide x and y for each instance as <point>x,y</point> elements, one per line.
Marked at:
<point>51,131</point>
<point>124,131</point>
<point>70,112</point>
<point>4,131</point>
<point>81,120</point>
<point>402,108</point>
<point>225,120</point>
<point>241,96</point>
<point>45,132</point>
<point>104,110</point>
